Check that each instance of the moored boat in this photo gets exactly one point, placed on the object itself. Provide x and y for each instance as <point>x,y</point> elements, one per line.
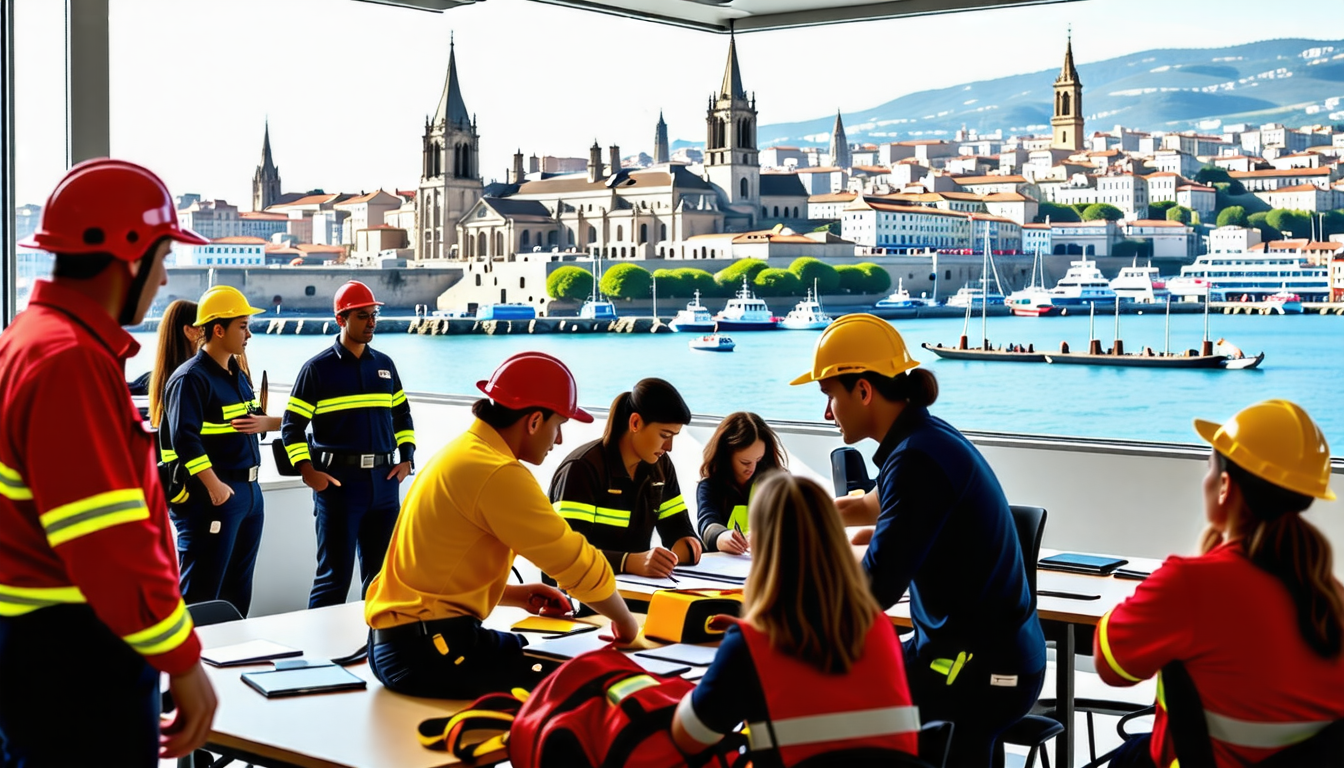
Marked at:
<point>806,315</point>
<point>1015,354</point>
<point>745,312</point>
<point>713,342</point>
<point>1031,302</point>
<point>1082,284</point>
<point>1142,285</point>
<point>695,318</point>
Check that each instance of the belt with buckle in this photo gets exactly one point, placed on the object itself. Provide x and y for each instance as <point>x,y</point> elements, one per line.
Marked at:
<point>360,460</point>
<point>417,629</point>
<point>246,475</point>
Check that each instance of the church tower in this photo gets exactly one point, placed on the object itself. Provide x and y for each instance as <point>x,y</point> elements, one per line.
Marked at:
<point>1068,120</point>
<point>266,180</point>
<point>661,151</point>
<point>450,180</point>
<point>730,146</point>
<point>840,154</point>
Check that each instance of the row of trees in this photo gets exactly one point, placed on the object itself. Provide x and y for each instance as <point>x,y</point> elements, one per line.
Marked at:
<point>632,281</point>
<point>1167,209</point>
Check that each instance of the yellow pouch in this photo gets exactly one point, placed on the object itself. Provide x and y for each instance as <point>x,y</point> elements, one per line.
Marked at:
<point>684,616</point>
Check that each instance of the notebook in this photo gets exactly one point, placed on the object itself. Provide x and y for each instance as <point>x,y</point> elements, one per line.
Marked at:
<point>729,568</point>
<point>1070,561</point>
<point>319,678</point>
<point>695,655</point>
<point>250,652</point>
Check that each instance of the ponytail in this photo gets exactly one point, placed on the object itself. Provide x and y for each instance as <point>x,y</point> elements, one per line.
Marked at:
<point>655,400</point>
<point>917,386</point>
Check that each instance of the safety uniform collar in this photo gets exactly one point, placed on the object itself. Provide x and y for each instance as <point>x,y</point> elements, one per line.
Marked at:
<point>912,416</point>
<point>207,362</point>
<point>344,354</point>
<point>491,437</point>
<point>616,465</point>
<point>103,326</point>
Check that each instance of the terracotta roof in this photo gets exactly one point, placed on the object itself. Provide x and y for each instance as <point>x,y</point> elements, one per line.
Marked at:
<point>360,199</point>
<point>878,205</point>
<point>1097,223</point>
<point>239,240</point>
<point>821,169</point>
<point>1195,188</point>
<point>407,193</point>
<point>968,180</point>
<point>931,197</point>
<point>262,216</point>
<point>1034,225</point>
<point>999,219</point>
<point>1333,246</point>
<point>1272,173</point>
<point>1296,244</point>
<point>872,168</point>
<point>285,249</point>
<point>1294,188</point>
<point>314,248</point>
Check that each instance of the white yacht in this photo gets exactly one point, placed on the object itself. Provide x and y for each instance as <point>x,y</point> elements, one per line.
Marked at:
<point>1083,284</point>
<point>1257,276</point>
<point>1143,285</point>
<point>806,315</point>
<point>695,318</point>
<point>900,299</point>
<point>745,312</point>
<point>974,296</point>
<point>1034,300</point>
<point>598,309</point>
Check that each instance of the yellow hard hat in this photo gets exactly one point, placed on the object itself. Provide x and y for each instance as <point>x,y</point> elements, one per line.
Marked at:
<point>223,301</point>
<point>857,343</point>
<point>1276,441</point>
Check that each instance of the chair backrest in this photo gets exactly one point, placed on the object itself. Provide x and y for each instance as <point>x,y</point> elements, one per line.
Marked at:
<point>213,612</point>
<point>1030,524</point>
<point>849,471</point>
<point>935,741</point>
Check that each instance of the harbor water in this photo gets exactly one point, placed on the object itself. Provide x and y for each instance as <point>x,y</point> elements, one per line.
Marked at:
<point>1304,362</point>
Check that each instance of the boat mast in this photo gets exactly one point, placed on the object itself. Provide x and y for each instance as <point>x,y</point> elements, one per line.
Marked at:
<point>984,295</point>
<point>1205,347</point>
<point>655,298</point>
<point>816,293</point>
<point>1166,342</point>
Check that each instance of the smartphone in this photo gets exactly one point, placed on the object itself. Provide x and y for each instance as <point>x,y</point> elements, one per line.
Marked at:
<point>549,625</point>
<point>1131,574</point>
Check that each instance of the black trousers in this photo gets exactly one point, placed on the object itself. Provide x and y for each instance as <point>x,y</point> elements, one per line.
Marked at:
<point>457,659</point>
<point>74,694</point>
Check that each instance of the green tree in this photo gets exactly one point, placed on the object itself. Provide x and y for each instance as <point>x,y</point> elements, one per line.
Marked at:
<point>809,269</point>
<point>851,278</point>
<point>1212,174</point>
<point>729,279</point>
<point>1332,223</point>
<point>627,281</point>
<point>693,279</point>
<point>569,283</point>
<point>670,284</point>
<point>1180,213</point>
<point>1159,209</point>
<point>1285,220</point>
<point>1258,221</point>
<point>1232,216</point>
<point>1055,212</point>
<point>1079,207</point>
<point>875,278</point>
<point>1128,249</point>
<point>777,282</point>
<point>1102,211</point>
<point>832,227</point>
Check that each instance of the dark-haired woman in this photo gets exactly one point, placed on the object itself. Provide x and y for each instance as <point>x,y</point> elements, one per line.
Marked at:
<point>943,531</point>
<point>1262,567</point>
<point>617,490</point>
<point>742,449</point>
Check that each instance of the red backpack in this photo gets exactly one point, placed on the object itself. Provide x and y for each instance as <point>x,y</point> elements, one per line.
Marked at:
<point>598,710</point>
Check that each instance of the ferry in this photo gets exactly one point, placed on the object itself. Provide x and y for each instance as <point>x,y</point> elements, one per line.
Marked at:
<point>900,303</point>
<point>1229,276</point>
<point>1142,285</point>
<point>1032,301</point>
<point>695,318</point>
<point>506,312</point>
<point>713,342</point>
<point>745,312</point>
<point>1083,284</point>
<point>806,315</point>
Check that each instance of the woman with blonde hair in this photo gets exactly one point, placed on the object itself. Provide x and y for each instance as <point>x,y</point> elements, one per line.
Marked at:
<point>812,648</point>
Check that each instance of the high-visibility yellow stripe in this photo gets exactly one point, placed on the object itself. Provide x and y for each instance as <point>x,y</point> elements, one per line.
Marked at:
<point>300,407</point>
<point>573,510</point>
<point>672,506</point>
<point>16,601</point>
<point>12,486</point>
<point>298,452</point>
<point>398,398</point>
<point>215,428</point>
<point>1105,644</point>
<point>618,691</point>
<point>239,410</point>
<point>181,496</point>
<point>198,465</point>
<point>351,402</point>
<point>619,518</point>
<point>406,436</point>
<point>167,455</point>
<point>163,636</point>
<point>104,510</point>
<point>737,519</point>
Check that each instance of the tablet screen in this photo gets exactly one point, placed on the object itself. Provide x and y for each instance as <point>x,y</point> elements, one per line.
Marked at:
<point>1090,562</point>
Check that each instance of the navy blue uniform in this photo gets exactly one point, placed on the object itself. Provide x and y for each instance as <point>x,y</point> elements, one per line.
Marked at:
<point>216,545</point>
<point>720,506</point>
<point>360,422</point>
<point>946,533</point>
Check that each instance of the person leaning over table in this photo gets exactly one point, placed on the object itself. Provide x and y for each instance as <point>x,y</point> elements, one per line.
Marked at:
<point>742,449</point>
<point>943,531</point>
<point>617,490</point>
<point>473,507</point>
<point>1257,619</point>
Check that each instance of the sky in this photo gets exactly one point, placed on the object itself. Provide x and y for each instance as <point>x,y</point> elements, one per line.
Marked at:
<point>347,86</point>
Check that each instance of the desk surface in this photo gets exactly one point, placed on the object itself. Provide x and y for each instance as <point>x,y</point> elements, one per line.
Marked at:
<point>353,729</point>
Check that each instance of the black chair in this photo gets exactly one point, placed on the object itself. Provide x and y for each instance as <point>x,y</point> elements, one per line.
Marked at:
<point>203,615</point>
<point>935,738</point>
<point>849,471</point>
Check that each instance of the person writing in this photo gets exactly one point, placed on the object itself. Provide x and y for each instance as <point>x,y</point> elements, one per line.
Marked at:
<point>742,449</point>
<point>1262,566</point>
<point>617,490</point>
<point>90,610</point>
<point>943,531</point>
<point>812,649</point>
<point>473,508</point>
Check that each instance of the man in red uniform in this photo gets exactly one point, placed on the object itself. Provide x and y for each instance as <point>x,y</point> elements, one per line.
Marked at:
<point>90,611</point>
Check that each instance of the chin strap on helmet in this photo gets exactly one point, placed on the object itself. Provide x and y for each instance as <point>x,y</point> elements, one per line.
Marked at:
<point>131,305</point>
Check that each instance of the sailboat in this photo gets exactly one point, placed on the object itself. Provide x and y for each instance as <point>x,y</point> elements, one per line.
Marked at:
<point>1015,354</point>
<point>1116,356</point>
<point>597,307</point>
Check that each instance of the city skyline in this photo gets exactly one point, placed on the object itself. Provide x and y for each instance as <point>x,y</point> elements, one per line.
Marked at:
<point>346,93</point>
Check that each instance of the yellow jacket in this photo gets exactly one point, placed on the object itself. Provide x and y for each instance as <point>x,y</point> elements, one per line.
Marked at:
<point>472,507</point>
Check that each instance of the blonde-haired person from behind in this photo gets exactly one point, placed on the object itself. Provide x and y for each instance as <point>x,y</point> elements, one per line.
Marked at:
<point>178,341</point>
<point>1257,619</point>
<point>812,647</point>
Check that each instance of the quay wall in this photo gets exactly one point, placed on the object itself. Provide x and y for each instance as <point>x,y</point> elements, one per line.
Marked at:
<point>310,289</point>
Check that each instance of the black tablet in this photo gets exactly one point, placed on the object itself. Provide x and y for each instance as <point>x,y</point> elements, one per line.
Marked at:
<point>1070,561</point>
<point>296,682</point>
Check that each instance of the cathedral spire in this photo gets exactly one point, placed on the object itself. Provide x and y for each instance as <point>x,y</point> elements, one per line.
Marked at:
<point>266,179</point>
<point>661,149</point>
<point>267,164</point>
<point>1068,73</point>
<point>732,77</point>
<point>451,106</point>
<point>840,155</point>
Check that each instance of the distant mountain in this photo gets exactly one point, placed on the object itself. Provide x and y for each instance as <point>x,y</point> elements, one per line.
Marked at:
<point>1295,82</point>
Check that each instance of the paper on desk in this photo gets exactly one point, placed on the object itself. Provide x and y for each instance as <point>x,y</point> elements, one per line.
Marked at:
<point>683,582</point>
<point>695,655</point>
<point>569,646</point>
<point>726,567</point>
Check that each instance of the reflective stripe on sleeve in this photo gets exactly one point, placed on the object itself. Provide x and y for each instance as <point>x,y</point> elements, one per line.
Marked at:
<point>239,410</point>
<point>298,452</point>
<point>104,510</point>
<point>198,465</point>
<point>670,507</point>
<point>1261,735</point>
<point>695,727</point>
<point>619,518</point>
<point>12,486</point>
<point>1103,640</point>
<point>216,428</point>
<point>300,408</point>
<point>573,510</point>
<point>168,456</point>
<point>398,398</point>
<point>406,436</point>
<point>163,636</point>
<point>16,601</point>
<point>838,726</point>
<point>351,402</point>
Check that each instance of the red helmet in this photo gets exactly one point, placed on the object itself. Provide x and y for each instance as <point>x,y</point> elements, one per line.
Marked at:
<point>108,206</point>
<point>535,380</point>
<point>354,295</point>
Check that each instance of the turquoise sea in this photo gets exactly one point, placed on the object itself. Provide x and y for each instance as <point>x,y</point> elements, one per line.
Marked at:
<point>1304,362</point>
